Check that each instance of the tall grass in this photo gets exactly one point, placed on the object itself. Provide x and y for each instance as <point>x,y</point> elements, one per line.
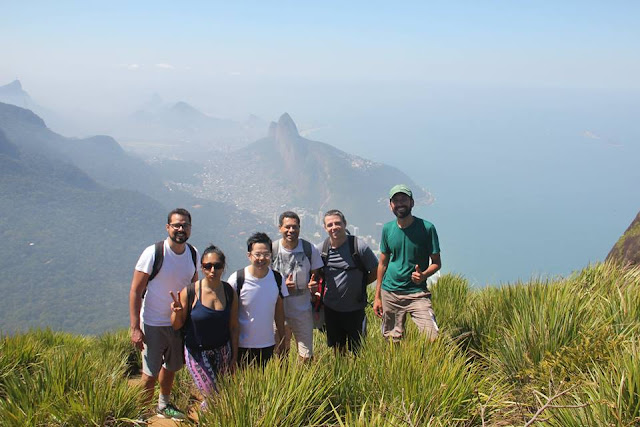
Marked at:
<point>502,353</point>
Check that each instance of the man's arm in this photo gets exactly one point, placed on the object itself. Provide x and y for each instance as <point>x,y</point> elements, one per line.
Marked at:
<point>279,318</point>
<point>372,276</point>
<point>370,263</point>
<point>234,331</point>
<point>436,264</point>
<point>138,285</point>
<point>383,262</point>
<point>419,276</point>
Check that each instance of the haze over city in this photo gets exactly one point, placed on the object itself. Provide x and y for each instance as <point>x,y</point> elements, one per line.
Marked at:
<point>520,119</point>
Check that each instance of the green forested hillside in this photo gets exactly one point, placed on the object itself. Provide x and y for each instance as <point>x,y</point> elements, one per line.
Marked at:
<point>75,214</point>
<point>66,242</point>
<point>558,353</point>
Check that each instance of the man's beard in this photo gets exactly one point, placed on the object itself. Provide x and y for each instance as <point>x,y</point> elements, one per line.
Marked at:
<point>406,211</point>
<point>179,237</point>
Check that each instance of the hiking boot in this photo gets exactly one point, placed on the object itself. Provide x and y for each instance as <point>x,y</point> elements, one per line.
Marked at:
<point>171,412</point>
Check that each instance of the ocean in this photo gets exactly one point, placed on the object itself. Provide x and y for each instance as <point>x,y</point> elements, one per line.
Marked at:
<point>528,183</point>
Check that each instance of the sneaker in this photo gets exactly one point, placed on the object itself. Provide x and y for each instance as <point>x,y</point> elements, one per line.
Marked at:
<point>171,412</point>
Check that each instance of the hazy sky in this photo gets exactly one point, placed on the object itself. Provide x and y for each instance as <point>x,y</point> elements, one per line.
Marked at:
<point>234,58</point>
<point>520,117</point>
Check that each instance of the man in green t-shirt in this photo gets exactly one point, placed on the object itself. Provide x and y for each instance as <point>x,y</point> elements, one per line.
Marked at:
<point>409,254</point>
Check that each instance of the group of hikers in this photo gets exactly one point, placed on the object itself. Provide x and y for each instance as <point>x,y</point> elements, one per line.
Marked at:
<point>214,326</point>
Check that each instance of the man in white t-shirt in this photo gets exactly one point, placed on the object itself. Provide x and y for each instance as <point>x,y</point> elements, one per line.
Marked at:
<point>259,303</point>
<point>150,308</point>
<point>299,262</point>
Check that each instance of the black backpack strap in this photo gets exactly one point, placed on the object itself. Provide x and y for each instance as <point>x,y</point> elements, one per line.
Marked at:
<point>191,296</point>
<point>355,255</point>
<point>325,251</point>
<point>194,256</point>
<point>275,248</point>
<point>228,292</point>
<point>306,247</point>
<point>278,277</point>
<point>158,258</point>
<point>239,280</point>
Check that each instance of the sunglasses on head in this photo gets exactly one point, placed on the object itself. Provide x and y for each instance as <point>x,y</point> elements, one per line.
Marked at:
<point>214,265</point>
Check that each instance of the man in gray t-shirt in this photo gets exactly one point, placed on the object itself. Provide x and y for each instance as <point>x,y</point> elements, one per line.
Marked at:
<point>345,281</point>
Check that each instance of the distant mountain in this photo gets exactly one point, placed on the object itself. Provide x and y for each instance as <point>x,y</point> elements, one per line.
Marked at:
<point>73,227</point>
<point>99,156</point>
<point>627,248</point>
<point>14,94</point>
<point>181,131</point>
<point>68,242</point>
<point>287,170</point>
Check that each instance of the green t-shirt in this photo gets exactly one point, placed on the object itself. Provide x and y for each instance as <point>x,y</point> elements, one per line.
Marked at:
<point>406,248</point>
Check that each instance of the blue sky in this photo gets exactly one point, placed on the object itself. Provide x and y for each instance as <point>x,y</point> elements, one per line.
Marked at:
<point>188,44</point>
<point>521,117</point>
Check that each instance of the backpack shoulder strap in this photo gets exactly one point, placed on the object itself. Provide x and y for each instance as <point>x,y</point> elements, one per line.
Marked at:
<point>194,256</point>
<point>158,258</point>
<point>355,254</point>
<point>275,248</point>
<point>239,280</point>
<point>191,296</point>
<point>228,292</point>
<point>306,247</point>
<point>278,277</point>
<point>325,251</point>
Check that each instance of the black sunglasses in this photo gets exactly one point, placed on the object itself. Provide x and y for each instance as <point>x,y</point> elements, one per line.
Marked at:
<point>214,265</point>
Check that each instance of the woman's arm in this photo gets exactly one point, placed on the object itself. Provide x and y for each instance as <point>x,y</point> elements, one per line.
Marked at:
<point>178,313</point>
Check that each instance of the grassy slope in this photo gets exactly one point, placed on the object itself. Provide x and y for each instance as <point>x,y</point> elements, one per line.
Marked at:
<point>503,353</point>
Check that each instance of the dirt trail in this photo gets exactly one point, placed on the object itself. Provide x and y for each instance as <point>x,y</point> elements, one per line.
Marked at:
<point>156,421</point>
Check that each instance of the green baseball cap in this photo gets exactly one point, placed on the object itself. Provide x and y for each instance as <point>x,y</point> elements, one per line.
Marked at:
<point>400,188</point>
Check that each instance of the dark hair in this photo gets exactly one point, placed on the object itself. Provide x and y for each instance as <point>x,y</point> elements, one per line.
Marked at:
<point>258,238</point>
<point>213,249</point>
<point>288,214</point>
<point>335,212</point>
<point>178,211</point>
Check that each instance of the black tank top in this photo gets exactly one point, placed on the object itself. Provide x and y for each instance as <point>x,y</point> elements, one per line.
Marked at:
<point>207,328</point>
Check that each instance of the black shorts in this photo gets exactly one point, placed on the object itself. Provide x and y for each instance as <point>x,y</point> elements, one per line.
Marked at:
<point>345,328</point>
<point>248,356</point>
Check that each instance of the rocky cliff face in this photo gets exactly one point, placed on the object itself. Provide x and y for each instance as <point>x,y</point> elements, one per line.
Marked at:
<point>627,250</point>
<point>285,170</point>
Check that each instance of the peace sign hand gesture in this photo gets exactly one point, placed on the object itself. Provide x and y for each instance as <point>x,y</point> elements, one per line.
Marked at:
<point>176,304</point>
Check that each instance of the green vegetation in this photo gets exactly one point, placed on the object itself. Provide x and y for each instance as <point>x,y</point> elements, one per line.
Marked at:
<point>562,353</point>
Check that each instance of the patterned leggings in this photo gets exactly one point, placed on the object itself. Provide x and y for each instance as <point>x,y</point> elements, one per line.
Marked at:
<point>205,365</point>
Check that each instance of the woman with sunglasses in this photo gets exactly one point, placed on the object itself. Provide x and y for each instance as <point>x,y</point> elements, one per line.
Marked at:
<point>211,326</point>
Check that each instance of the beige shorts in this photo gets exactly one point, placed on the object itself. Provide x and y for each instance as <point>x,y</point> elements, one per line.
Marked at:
<point>299,320</point>
<point>162,347</point>
<point>395,308</point>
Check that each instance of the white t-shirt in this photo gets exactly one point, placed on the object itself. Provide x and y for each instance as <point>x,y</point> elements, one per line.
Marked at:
<point>296,262</point>
<point>257,308</point>
<point>176,273</point>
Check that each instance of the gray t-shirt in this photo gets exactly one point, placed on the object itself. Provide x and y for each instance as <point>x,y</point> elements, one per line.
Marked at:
<point>343,280</point>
